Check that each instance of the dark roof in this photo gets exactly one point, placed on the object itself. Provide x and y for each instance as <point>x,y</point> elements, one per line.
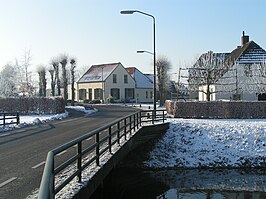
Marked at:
<point>255,52</point>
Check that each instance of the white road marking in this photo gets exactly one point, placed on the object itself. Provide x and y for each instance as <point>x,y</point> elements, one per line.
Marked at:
<point>8,181</point>
<point>38,165</point>
<point>1,135</point>
<point>62,153</point>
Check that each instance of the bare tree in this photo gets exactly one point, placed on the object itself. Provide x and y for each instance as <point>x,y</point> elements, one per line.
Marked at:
<point>55,64</point>
<point>42,80</point>
<point>25,64</point>
<point>72,71</point>
<point>209,68</point>
<point>63,61</point>
<point>163,66</point>
<point>8,81</point>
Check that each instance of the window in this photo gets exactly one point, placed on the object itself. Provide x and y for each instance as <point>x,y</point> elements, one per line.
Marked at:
<point>114,78</point>
<point>82,94</point>
<point>125,79</point>
<point>147,94</point>
<point>151,94</point>
<point>129,93</point>
<point>98,94</point>
<point>115,93</point>
<point>90,94</point>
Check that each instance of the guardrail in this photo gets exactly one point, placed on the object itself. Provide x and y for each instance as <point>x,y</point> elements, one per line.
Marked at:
<point>7,118</point>
<point>104,138</point>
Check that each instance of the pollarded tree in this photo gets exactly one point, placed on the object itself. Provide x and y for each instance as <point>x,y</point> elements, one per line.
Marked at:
<point>163,66</point>
<point>52,75</point>
<point>73,63</point>
<point>42,80</point>
<point>55,64</point>
<point>63,61</point>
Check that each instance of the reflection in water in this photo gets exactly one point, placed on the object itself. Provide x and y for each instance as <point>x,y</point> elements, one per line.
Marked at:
<point>186,184</point>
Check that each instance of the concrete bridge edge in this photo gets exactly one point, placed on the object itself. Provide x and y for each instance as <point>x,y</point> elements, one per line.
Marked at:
<point>143,135</point>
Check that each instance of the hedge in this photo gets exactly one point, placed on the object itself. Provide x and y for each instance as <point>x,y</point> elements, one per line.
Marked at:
<point>33,105</point>
<point>216,109</point>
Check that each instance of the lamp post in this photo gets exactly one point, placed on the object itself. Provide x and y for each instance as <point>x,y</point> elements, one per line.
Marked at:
<point>154,53</point>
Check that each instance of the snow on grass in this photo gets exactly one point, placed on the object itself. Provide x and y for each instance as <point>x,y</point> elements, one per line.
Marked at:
<point>28,120</point>
<point>211,143</point>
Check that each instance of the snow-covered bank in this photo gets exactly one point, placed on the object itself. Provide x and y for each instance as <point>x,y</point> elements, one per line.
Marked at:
<point>211,143</point>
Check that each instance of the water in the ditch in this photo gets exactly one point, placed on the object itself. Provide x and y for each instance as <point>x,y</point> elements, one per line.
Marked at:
<point>129,183</point>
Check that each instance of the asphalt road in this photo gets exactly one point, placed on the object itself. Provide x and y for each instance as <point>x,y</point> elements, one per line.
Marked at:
<point>23,152</point>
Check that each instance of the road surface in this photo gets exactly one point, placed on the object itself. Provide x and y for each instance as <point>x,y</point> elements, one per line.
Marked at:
<point>23,152</point>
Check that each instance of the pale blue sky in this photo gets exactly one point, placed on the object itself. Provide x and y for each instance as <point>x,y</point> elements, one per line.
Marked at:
<point>95,32</point>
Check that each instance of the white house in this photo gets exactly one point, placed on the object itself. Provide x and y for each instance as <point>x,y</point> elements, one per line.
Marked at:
<point>245,79</point>
<point>105,81</point>
<point>143,85</point>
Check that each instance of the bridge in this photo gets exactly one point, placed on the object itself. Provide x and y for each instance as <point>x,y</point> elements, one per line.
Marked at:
<point>93,155</point>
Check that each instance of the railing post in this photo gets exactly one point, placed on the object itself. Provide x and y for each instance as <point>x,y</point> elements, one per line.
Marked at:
<point>140,118</point>
<point>110,139</point>
<point>163,116</point>
<point>118,132</point>
<point>139,121</point>
<point>125,128</point>
<point>79,160</point>
<point>4,121</point>
<point>97,149</point>
<point>153,116</point>
<point>134,122</point>
<point>130,124</point>
<point>52,183</point>
<point>18,118</point>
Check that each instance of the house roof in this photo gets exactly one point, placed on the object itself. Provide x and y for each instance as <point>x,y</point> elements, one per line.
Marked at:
<point>142,81</point>
<point>250,53</point>
<point>98,73</point>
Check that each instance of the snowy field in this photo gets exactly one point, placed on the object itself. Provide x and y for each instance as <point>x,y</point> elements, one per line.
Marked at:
<point>196,143</point>
<point>28,120</point>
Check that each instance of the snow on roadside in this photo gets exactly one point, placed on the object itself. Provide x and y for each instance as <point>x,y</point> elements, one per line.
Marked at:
<point>28,120</point>
<point>211,143</point>
<point>81,109</point>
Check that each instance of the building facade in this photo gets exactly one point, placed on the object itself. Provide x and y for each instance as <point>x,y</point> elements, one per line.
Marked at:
<point>104,82</point>
<point>244,77</point>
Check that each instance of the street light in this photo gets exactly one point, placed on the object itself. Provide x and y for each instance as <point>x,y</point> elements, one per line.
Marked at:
<point>154,53</point>
<point>144,51</point>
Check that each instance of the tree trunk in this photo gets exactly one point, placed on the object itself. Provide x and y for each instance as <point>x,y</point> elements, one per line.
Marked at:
<point>72,87</point>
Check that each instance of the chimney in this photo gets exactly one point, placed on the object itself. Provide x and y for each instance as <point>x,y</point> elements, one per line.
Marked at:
<point>244,39</point>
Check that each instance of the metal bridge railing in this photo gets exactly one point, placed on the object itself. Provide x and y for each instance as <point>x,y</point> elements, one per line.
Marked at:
<point>7,118</point>
<point>103,140</point>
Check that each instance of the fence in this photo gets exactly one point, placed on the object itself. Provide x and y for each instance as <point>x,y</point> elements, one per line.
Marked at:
<point>104,138</point>
<point>7,118</point>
